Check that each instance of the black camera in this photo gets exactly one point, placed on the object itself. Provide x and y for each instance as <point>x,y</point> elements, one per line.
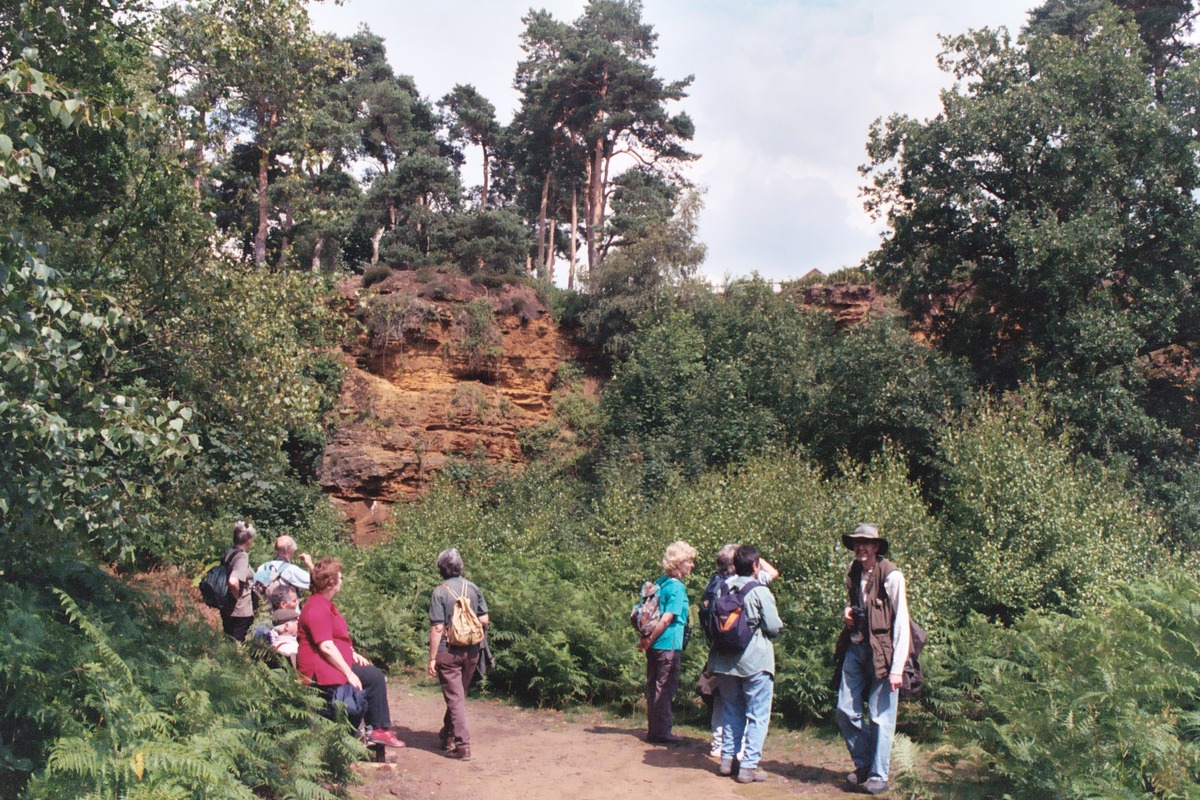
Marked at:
<point>858,613</point>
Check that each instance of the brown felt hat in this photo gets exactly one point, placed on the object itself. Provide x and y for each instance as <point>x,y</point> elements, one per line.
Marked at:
<point>865,533</point>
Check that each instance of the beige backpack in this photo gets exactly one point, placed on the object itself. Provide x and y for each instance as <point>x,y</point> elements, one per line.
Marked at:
<point>464,629</point>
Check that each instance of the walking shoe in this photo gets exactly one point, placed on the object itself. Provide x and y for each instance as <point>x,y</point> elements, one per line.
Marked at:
<point>462,752</point>
<point>859,776</point>
<point>726,767</point>
<point>751,776</point>
<point>875,786</point>
<point>385,737</point>
<point>670,738</point>
<point>446,740</point>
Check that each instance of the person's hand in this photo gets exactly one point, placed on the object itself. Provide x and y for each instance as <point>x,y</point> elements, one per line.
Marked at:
<point>307,559</point>
<point>354,681</point>
<point>848,617</point>
<point>895,681</point>
<point>643,643</point>
<point>362,661</point>
<point>432,669</point>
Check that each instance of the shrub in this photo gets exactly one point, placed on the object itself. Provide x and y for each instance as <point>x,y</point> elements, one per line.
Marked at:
<point>114,700</point>
<point>1103,704</point>
<point>480,346</point>
<point>1030,526</point>
<point>376,273</point>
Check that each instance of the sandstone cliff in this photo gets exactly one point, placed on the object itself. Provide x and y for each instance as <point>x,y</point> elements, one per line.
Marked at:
<point>442,370</point>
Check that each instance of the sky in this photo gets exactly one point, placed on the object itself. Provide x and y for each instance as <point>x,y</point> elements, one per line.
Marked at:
<point>783,96</point>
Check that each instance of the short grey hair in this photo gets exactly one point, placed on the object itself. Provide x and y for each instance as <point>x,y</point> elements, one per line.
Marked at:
<point>450,563</point>
<point>242,533</point>
<point>725,559</point>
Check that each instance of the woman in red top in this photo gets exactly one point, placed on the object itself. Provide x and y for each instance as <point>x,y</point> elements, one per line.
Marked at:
<point>327,658</point>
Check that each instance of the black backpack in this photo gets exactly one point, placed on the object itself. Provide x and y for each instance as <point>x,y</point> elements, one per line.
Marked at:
<point>706,603</point>
<point>728,630</point>
<point>214,584</point>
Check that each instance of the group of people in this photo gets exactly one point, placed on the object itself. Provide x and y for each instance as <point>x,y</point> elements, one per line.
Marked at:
<point>871,650</point>
<point>315,638</point>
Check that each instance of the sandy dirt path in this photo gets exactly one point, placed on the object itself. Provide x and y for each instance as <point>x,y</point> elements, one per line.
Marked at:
<point>529,754</point>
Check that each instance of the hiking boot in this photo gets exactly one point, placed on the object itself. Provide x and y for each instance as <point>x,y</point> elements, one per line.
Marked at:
<point>670,738</point>
<point>859,776</point>
<point>462,752</point>
<point>726,767</point>
<point>446,740</point>
<point>875,786</point>
<point>751,776</point>
<point>385,737</point>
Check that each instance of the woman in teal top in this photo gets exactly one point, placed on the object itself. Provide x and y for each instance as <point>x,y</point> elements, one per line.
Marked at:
<point>664,645</point>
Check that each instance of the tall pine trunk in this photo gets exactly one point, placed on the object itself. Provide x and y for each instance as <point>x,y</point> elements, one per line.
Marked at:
<point>541,229</point>
<point>573,238</point>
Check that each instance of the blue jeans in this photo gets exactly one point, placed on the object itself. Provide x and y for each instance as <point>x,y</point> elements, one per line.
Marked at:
<point>868,737</point>
<point>747,707</point>
<point>719,733</point>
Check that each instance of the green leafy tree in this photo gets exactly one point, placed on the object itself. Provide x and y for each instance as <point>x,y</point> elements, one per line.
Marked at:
<point>1045,223</point>
<point>471,118</point>
<point>594,81</point>
<point>1164,26</point>
<point>1029,526</point>
<point>267,66</point>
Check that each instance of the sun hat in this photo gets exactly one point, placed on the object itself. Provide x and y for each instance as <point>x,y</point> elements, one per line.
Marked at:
<point>865,532</point>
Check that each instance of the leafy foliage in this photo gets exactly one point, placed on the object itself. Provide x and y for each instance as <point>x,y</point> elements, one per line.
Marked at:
<point>120,708</point>
<point>1028,526</point>
<point>1117,684</point>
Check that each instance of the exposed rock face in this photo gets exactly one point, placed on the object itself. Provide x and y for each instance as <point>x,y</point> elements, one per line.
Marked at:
<point>850,304</point>
<point>443,370</point>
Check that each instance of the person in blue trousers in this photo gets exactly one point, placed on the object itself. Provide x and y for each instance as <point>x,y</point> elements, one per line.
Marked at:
<point>872,647</point>
<point>746,680</point>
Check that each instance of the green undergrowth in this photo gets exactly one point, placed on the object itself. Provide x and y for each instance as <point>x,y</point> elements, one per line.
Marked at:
<point>107,693</point>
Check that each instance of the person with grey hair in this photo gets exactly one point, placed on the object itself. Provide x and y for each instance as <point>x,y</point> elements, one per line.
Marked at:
<point>708,681</point>
<point>280,570</point>
<point>238,615</point>
<point>871,649</point>
<point>453,665</point>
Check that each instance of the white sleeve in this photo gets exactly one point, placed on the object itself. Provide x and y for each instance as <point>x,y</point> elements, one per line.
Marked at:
<point>901,629</point>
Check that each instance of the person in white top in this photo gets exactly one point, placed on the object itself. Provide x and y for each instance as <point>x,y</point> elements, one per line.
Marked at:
<point>872,649</point>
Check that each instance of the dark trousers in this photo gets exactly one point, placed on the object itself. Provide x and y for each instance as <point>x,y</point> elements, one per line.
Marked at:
<point>236,627</point>
<point>455,670</point>
<point>662,680</point>
<point>374,684</point>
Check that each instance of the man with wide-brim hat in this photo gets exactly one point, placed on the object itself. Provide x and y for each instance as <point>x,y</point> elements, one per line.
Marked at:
<point>871,649</point>
<point>864,532</point>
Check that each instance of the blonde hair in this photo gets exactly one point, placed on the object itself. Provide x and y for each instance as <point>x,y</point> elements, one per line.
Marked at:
<point>677,553</point>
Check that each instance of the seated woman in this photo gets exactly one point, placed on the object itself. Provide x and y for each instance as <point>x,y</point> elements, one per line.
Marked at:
<point>327,658</point>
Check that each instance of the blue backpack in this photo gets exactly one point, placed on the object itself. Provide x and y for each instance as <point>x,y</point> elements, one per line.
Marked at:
<point>728,630</point>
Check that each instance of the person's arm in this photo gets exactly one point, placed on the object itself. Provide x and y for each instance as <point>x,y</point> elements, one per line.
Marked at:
<point>435,643</point>
<point>236,584</point>
<point>766,570</point>
<point>664,622</point>
<point>307,559</point>
<point>901,629</point>
<point>334,656</point>
<point>768,612</point>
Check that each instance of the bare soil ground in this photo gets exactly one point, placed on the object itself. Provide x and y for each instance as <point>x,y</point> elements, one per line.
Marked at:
<point>529,754</point>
